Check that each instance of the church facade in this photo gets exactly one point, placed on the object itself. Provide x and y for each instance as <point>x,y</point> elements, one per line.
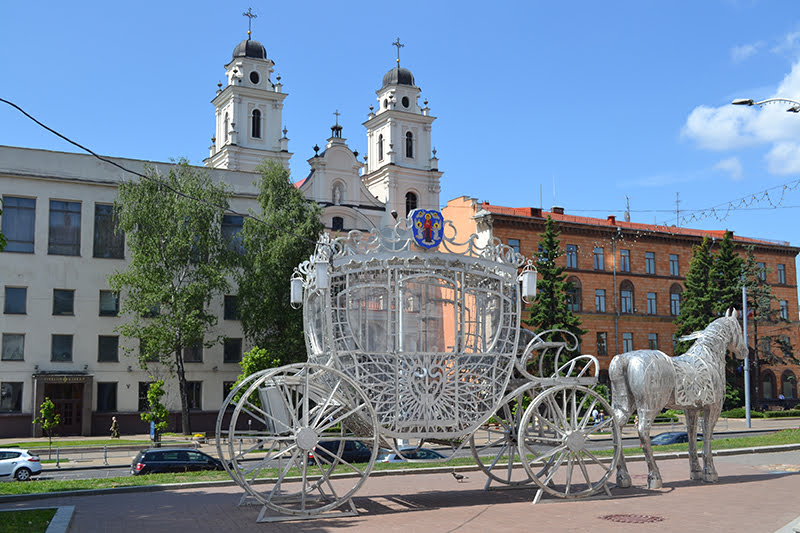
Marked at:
<point>59,316</point>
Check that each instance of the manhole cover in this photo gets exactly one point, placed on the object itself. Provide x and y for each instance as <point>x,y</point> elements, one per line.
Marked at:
<point>632,518</point>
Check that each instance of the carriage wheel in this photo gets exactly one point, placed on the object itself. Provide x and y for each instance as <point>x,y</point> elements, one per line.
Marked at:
<point>497,456</point>
<point>298,419</point>
<point>558,428</point>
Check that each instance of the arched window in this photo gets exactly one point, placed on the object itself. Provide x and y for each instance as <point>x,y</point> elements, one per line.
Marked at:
<point>411,202</point>
<point>626,297</point>
<point>225,129</point>
<point>256,126</point>
<point>337,224</point>
<point>768,385</point>
<point>380,147</point>
<point>409,144</point>
<point>789,384</point>
<point>675,299</point>
<point>574,300</point>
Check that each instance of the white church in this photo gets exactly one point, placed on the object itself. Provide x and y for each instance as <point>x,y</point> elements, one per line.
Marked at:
<point>60,317</point>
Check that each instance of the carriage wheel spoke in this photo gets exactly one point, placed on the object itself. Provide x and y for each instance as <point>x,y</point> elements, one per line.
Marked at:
<point>569,473</point>
<point>582,466</point>
<point>327,403</point>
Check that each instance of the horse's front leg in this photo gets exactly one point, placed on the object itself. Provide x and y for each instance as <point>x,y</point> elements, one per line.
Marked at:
<point>710,417</point>
<point>695,472</point>
<point>653,475</point>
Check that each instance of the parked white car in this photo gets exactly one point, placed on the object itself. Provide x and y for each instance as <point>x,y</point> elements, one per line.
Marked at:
<point>19,464</point>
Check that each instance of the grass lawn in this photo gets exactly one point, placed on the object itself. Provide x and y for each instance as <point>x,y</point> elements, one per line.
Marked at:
<point>57,443</point>
<point>26,520</point>
<point>788,436</point>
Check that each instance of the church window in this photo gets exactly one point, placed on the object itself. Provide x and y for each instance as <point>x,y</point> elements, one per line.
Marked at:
<point>256,124</point>
<point>409,144</point>
<point>386,104</point>
<point>337,224</point>
<point>254,79</point>
<point>405,101</point>
<point>411,202</point>
<point>380,147</point>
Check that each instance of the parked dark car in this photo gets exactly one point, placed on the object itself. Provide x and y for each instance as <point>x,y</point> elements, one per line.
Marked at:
<point>410,453</point>
<point>672,437</point>
<point>349,451</point>
<point>159,460</point>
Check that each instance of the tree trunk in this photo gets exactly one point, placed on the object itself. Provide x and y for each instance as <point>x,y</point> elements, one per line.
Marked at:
<point>756,368</point>
<point>186,425</point>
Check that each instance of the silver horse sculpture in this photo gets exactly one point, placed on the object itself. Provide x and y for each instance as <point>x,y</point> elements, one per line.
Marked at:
<point>649,380</point>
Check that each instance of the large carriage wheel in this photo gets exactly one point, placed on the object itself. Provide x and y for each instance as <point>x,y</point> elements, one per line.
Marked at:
<point>295,421</point>
<point>557,429</point>
<point>497,456</point>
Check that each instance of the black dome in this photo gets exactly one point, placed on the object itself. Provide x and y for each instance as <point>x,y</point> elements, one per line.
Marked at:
<point>398,76</point>
<point>250,48</point>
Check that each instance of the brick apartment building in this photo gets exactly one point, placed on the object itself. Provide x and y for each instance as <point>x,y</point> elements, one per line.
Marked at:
<point>628,279</point>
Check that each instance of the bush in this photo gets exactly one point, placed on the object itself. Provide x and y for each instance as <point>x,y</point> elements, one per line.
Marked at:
<point>738,412</point>
<point>781,414</point>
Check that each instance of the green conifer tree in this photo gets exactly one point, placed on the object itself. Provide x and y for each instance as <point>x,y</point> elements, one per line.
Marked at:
<point>697,306</point>
<point>726,277</point>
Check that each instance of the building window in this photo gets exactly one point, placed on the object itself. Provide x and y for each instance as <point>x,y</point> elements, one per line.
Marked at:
<point>574,294</point>
<point>762,271</point>
<point>109,303</point>
<point>650,262</point>
<point>61,349</point>
<point>788,382</point>
<point>19,221</point>
<point>652,301</point>
<point>514,243</point>
<point>63,302</point>
<point>652,341</point>
<point>784,312</point>
<point>65,228</point>
<point>13,347</point>
<point>144,386</point>
<point>624,260</point>
<point>782,274</point>
<point>626,297</point>
<point>674,269</point>
<point>16,301</point>
<point>572,256</point>
<point>599,262</point>
<point>675,300</point>
<point>602,343</point>
<point>227,387</point>
<point>627,342</point>
<point>411,202</point>
<point>768,385</point>
<point>337,224</point>
<point>108,242</point>
<point>256,125</point>
<point>107,349</point>
<point>193,353</point>
<point>11,397</point>
<point>231,307</point>
<point>409,145</point>
<point>194,391</point>
<point>600,300</point>
<point>232,350</point>
<point>106,397</point>
<point>232,232</point>
<point>380,147</point>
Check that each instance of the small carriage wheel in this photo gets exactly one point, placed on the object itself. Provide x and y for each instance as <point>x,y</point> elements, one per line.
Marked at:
<point>556,430</point>
<point>292,410</point>
<point>498,455</point>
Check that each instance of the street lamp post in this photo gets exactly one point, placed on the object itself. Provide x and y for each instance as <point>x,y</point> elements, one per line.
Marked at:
<point>795,105</point>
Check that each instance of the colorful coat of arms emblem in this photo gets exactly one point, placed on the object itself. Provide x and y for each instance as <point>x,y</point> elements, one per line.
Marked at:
<point>427,227</point>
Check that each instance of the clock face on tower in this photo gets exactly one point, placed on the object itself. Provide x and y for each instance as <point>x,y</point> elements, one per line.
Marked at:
<point>254,77</point>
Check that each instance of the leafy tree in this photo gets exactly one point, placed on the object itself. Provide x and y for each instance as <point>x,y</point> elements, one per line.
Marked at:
<point>255,360</point>
<point>550,310</point>
<point>697,306</point>
<point>273,248</point>
<point>179,261</point>
<point>48,419</point>
<point>726,277</point>
<point>156,412</point>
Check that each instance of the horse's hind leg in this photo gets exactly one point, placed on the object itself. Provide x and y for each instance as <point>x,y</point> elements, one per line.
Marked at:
<point>710,417</point>
<point>695,472</point>
<point>645,422</point>
<point>621,414</point>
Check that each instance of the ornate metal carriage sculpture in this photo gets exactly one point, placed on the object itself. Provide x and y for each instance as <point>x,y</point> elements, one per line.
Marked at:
<point>413,337</point>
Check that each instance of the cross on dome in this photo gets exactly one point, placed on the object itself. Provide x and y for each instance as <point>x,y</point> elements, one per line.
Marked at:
<point>399,46</point>
<point>250,16</point>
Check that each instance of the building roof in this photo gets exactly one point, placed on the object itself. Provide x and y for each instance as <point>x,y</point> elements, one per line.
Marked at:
<point>398,76</point>
<point>250,48</point>
<point>612,222</point>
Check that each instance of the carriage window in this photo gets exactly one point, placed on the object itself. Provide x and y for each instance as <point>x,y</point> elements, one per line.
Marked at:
<point>427,321</point>
<point>363,318</point>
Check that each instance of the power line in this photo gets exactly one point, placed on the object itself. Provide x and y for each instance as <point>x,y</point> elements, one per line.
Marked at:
<point>155,180</point>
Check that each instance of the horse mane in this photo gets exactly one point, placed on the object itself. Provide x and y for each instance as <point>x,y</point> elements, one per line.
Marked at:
<point>714,331</point>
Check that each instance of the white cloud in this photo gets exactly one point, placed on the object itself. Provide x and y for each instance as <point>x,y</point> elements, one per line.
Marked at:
<point>789,43</point>
<point>784,158</point>
<point>732,166</point>
<point>745,51</point>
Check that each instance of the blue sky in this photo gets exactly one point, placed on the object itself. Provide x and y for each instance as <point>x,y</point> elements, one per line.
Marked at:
<point>587,102</point>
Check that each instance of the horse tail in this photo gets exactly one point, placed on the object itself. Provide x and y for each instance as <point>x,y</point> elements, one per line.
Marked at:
<point>620,394</point>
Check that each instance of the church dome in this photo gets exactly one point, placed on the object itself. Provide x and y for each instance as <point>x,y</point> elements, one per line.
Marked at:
<point>250,48</point>
<point>398,76</point>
